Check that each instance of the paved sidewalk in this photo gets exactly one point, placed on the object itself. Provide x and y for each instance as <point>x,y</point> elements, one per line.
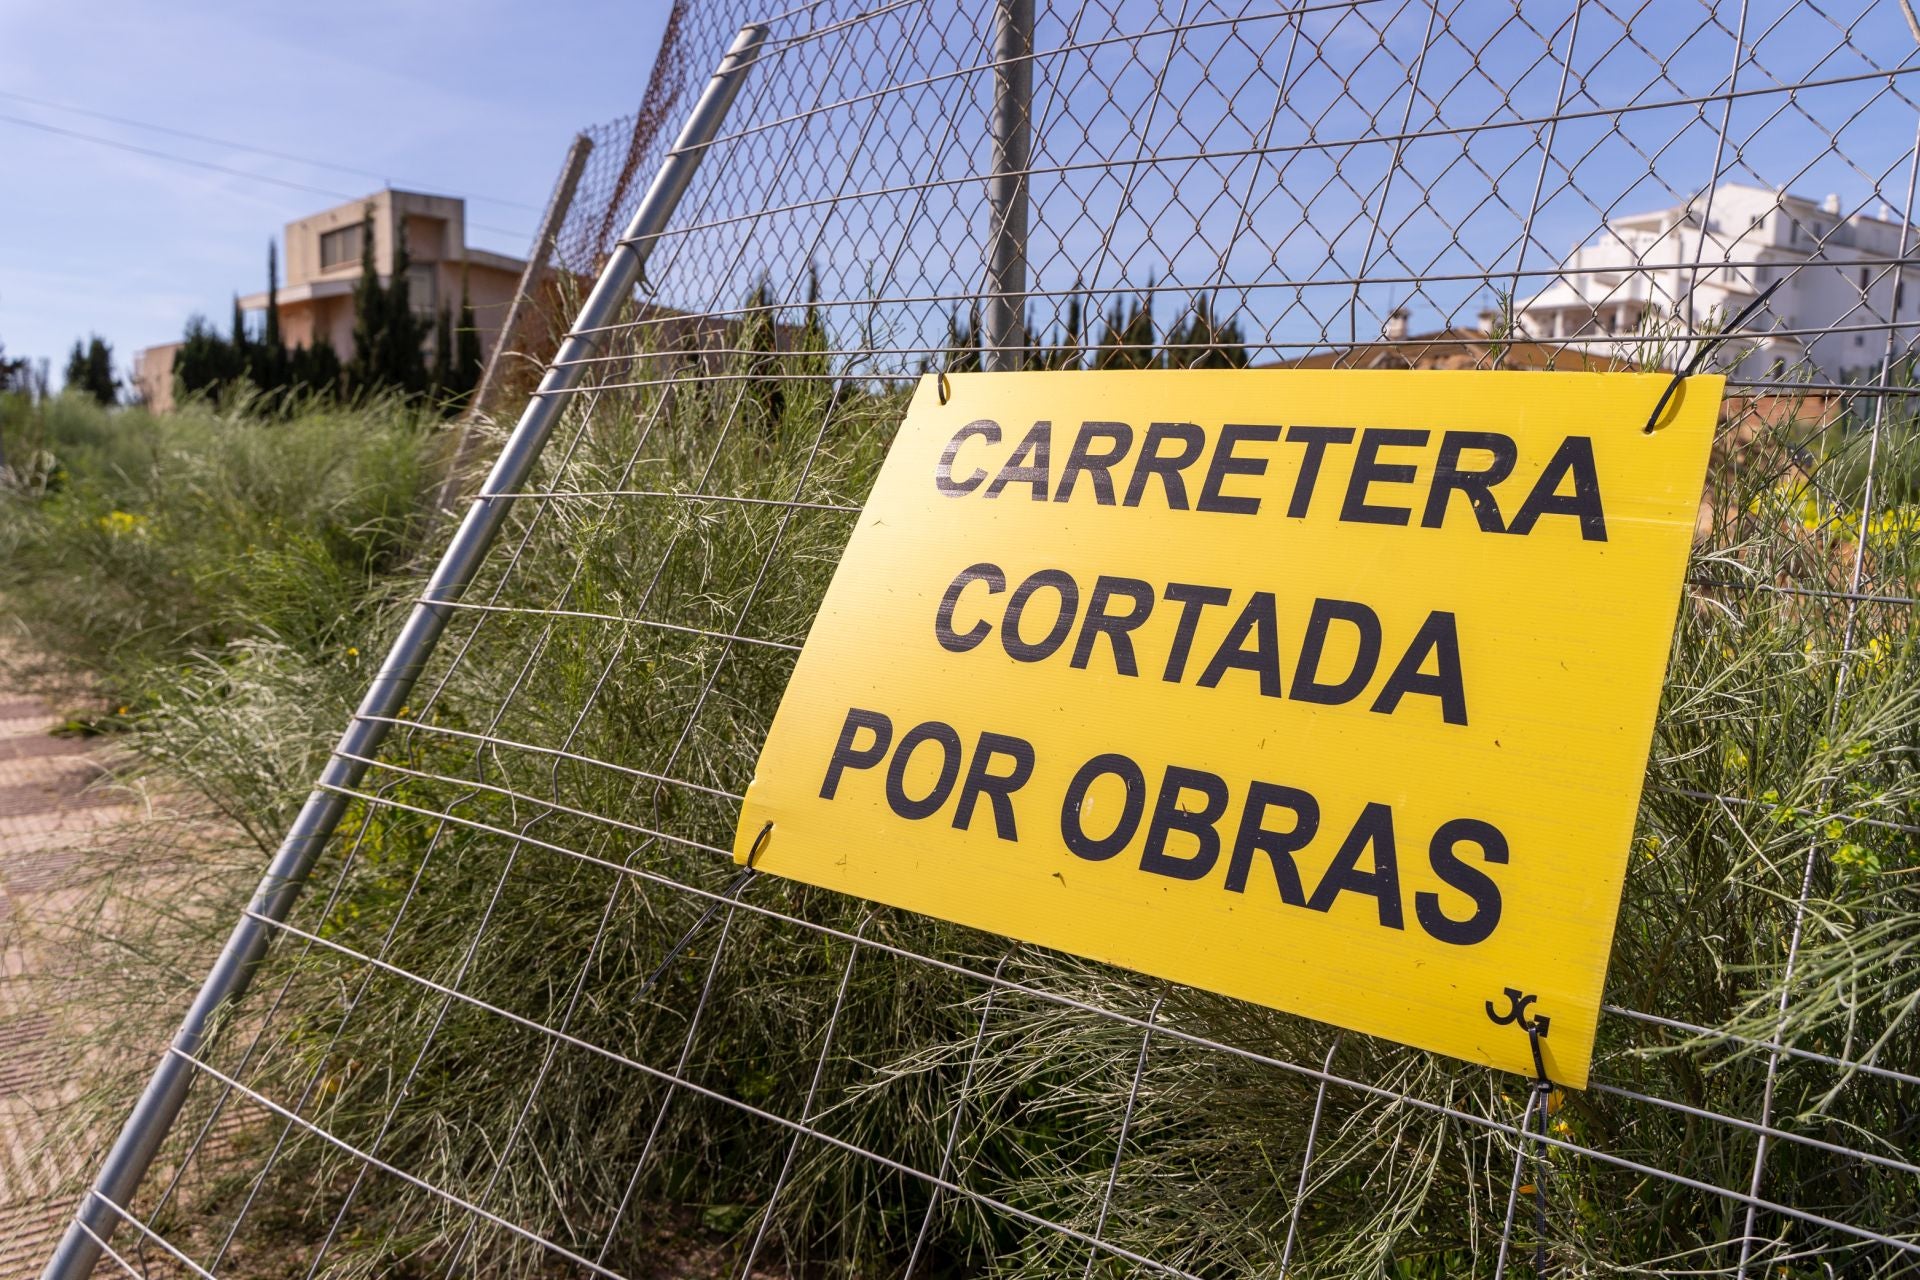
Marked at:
<point>54,803</point>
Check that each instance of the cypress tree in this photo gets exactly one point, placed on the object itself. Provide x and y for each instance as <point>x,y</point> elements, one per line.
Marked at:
<point>316,368</point>
<point>13,375</point>
<point>369,317</point>
<point>1187,338</point>
<point>1069,354</point>
<point>242,358</point>
<point>467,360</point>
<point>444,389</point>
<point>201,363</point>
<point>813,330</point>
<point>1211,344</point>
<point>1142,338</point>
<point>270,366</point>
<point>1128,340</point>
<point>90,370</point>
<point>76,377</point>
<point>405,358</point>
<point>1106,353</point>
<point>759,340</point>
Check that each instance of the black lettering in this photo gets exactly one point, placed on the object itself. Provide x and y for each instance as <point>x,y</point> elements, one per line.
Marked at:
<point>1382,884</point>
<point>1279,846</point>
<point>1316,439</point>
<point>1167,467</point>
<point>1171,814</point>
<point>1030,463</point>
<point>1307,684</point>
<point>1260,620</point>
<point>987,429</point>
<point>1470,880</point>
<point>847,756</point>
<point>1573,458</point>
<point>1225,464</point>
<point>1114,626</point>
<point>1074,835</point>
<point>997,788</point>
<point>1449,478</point>
<point>1098,466</point>
<point>1438,636</point>
<point>1017,648</point>
<point>1368,471</point>
<point>1191,599</point>
<point>950,640</point>
<point>897,798</point>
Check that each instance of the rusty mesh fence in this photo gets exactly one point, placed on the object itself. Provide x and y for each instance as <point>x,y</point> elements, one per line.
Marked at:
<point>526,1016</point>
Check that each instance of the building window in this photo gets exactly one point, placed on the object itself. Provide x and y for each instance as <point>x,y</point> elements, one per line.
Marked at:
<point>340,245</point>
<point>1863,280</point>
<point>422,291</point>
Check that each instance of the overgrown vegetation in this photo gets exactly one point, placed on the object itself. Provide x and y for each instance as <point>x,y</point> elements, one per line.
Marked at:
<point>90,370</point>
<point>1128,338</point>
<point>232,578</point>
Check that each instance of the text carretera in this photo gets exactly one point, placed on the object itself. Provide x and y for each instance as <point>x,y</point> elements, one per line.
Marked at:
<point>1396,476</point>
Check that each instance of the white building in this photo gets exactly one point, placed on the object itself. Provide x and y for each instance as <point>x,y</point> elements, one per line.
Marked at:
<point>1636,283</point>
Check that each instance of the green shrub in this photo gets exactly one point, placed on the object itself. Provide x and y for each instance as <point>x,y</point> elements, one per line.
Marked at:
<point>155,538</point>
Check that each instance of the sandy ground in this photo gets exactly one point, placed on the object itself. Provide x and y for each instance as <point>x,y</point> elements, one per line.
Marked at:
<point>60,804</point>
<point>56,801</point>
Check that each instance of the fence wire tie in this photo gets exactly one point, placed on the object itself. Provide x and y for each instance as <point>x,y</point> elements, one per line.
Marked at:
<point>1708,346</point>
<point>945,388</point>
<point>727,896</point>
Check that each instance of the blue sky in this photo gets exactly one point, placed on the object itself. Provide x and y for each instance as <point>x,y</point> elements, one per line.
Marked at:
<point>478,98</point>
<point>1399,142</point>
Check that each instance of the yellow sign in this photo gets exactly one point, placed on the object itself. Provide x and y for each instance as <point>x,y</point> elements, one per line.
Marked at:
<point>1330,691</point>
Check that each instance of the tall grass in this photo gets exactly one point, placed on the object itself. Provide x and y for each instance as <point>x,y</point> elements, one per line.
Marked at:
<point>238,577</point>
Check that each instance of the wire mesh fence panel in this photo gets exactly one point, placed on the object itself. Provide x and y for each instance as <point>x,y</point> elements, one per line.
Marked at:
<point>527,1016</point>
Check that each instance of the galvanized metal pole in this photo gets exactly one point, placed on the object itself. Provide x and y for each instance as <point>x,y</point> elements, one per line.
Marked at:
<point>153,1115</point>
<point>1005,326</point>
<point>535,270</point>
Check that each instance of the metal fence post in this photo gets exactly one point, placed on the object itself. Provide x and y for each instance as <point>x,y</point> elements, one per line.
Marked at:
<point>544,242</point>
<point>153,1115</point>
<point>1005,325</point>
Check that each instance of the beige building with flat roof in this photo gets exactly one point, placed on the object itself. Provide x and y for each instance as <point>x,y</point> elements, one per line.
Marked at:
<point>322,264</point>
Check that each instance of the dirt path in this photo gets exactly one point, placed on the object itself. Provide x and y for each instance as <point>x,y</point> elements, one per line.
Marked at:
<point>55,803</point>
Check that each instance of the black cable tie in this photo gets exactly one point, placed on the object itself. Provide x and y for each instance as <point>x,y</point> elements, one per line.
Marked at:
<point>946,390</point>
<point>1707,347</point>
<point>1543,1091</point>
<point>1535,1030</point>
<point>729,894</point>
<point>754,853</point>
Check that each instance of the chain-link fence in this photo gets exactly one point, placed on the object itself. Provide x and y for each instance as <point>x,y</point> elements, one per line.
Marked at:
<point>527,1017</point>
